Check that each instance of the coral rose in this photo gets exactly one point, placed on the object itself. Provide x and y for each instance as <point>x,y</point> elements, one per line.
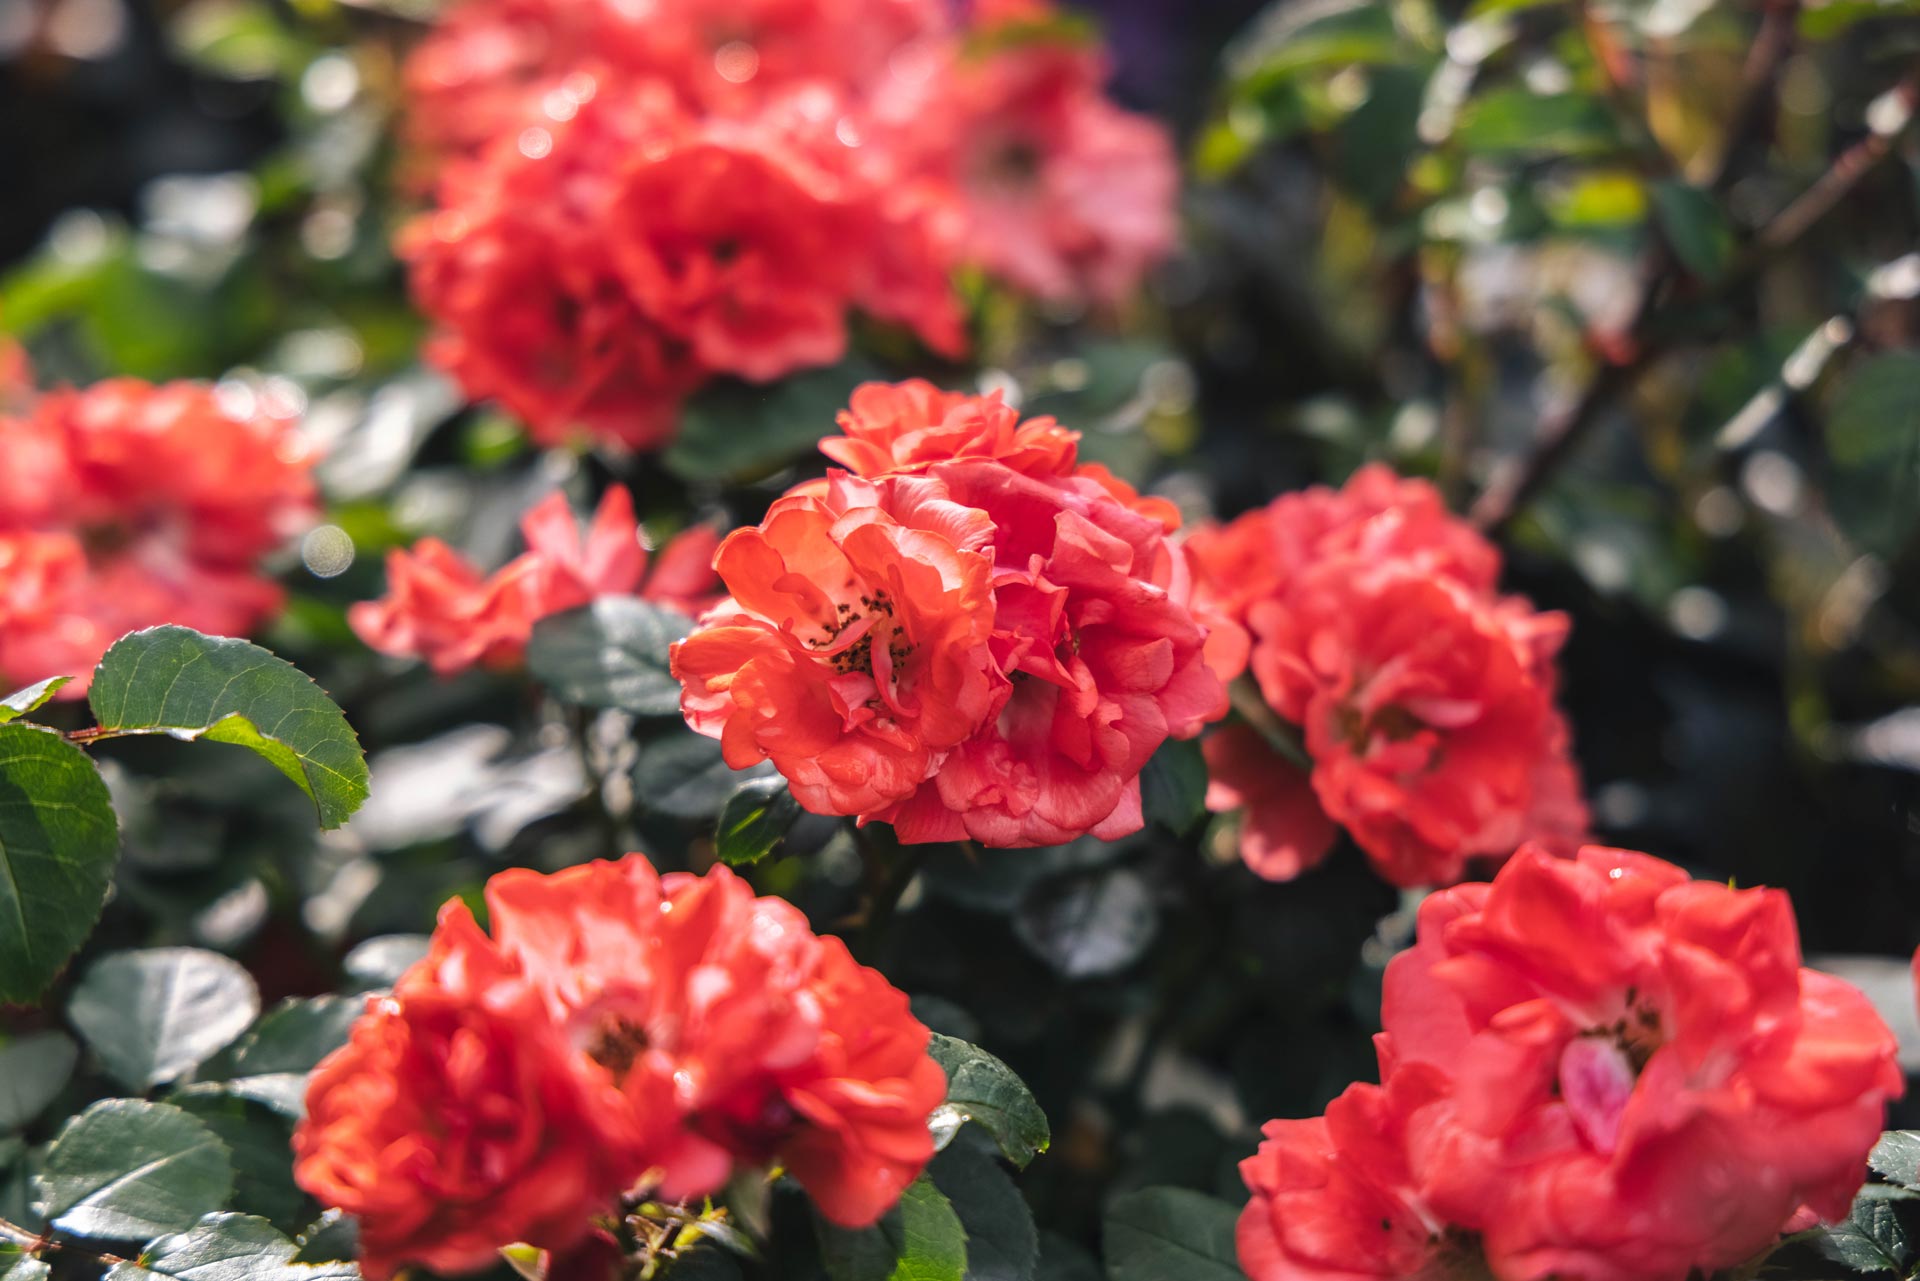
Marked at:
<point>440,608</point>
<point>854,652</point>
<point>1065,195</point>
<point>725,1013</point>
<point>1638,1078</point>
<point>1375,517</point>
<point>489,68</point>
<point>517,272</point>
<point>910,426</point>
<point>1427,720</point>
<point>1093,627</point>
<point>1332,1198</point>
<point>451,1125</point>
<point>1283,830</point>
<point>173,493</point>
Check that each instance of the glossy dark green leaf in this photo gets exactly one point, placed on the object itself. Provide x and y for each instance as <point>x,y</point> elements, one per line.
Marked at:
<point>379,962</point>
<point>738,429</point>
<point>683,775</point>
<point>130,1170</point>
<point>257,1136</point>
<point>31,699</point>
<point>1872,1239</point>
<point>1173,786</point>
<point>1002,1244</point>
<point>225,1247</point>
<point>295,1035</point>
<point>1896,1157</point>
<point>984,1090</point>
<point>612,653</point>
<point>1090,925</point>
<point>154,1015</point>
<point>1170,1234</point>
<point>176,681</point>
<point>755,820</point>
<point>33,1070</point>
<point>919,1240</point>
<point>58,845</point>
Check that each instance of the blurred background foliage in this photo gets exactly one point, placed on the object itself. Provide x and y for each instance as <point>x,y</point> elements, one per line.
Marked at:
<point>1635,281</point>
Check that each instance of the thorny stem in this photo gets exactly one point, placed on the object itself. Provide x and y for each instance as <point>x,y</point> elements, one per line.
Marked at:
<point>1519,479</point>
<point>34,1243</point>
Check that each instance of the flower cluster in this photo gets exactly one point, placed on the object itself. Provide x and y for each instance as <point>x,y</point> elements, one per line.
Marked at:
<point>633,198</point>
<point>967,636</point>
<point>1424,698</point>
<point>619,1034</point>
<point>1593,1069</point>
<point>126,505</point>
<point>441,609</point>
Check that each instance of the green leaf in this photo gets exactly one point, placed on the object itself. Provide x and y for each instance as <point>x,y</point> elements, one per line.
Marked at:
<point>33,1070</point>
<point>1826,19</point>
<point>1092,925</point>
<point>1295,39</point>
<point>225,1247</point>
<point>1170,1234</point>
<point>1173,786</point>
<point>296,1034</point>
<point>920,1240</point>
<point>332,1238</point>
<point>130,1170</point>
<point>982,1089</point>
<point>612,653</point>
<point>737,429</point>
<point>1517,121</point>
<point>30,699</point>
<point>379,962</point>
<point>17,1265</point>
<point>755,820</point>
<point>1695,226</point>
<point>256,1137</point>
<point>1002,1244</point>
<point>153,1016</point>
<point>1873,437</point>
<point>175,681</point>
<point>1896,1157</point>
<point>58,844</point>
<point>1871,1239</point>
<point>683,775</point>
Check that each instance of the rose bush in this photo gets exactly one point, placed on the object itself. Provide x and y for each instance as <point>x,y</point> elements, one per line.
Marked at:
<point>1118,558</point>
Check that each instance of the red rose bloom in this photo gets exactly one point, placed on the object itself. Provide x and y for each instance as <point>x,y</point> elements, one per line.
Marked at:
<point>736,1033</point>
<point>910,426</point>
<point>450,1126</point>
<point>1332,1198</point>
<point>489,68</point>
<point>1092,626</point>
<point>854,650</point>
<point>172,493</point>
<point>1065,195</point>
<point>592,271</point>
<point>517,272</point>
<point>1283,829</point>
<point>1375,517</point>
<point>735,236</point>
<point>1426,701</point>
<point>1427,720</point>
<point>1639,1079</point>
<point>441,609</point>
